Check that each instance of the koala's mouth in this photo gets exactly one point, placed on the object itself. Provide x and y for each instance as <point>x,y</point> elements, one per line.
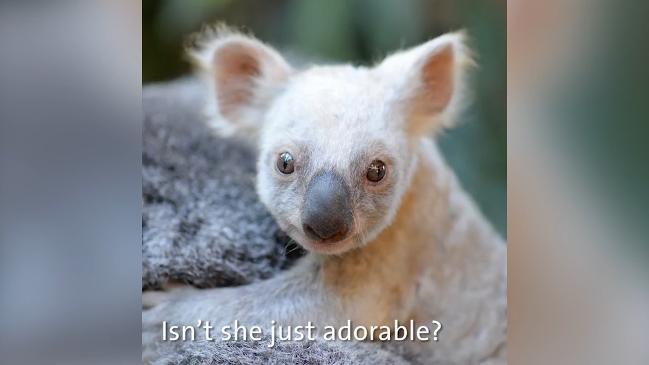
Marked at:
<point>328,246</point>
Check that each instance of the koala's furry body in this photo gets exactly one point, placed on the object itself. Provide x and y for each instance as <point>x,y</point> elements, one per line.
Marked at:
<point>417,248</point>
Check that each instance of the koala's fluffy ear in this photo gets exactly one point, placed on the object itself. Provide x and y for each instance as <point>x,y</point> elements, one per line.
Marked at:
<point>427,82</point>
<point>244,75</point>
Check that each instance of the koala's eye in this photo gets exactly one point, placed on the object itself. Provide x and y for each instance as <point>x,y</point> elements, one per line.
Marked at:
<point>285,163</point>
<point>376,171</point>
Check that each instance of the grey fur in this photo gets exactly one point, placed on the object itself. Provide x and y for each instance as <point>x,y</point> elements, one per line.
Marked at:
<point>202,222</point>
<point>298,353</point>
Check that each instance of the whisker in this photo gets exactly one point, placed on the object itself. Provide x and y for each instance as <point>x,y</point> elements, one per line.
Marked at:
<point>287,247</point>
<point>295,248</point>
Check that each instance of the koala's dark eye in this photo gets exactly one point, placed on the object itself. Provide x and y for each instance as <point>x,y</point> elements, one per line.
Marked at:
<point>285,163</point>
<point>376,171</point>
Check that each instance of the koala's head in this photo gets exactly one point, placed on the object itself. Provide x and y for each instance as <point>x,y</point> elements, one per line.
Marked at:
<point>337,144</point>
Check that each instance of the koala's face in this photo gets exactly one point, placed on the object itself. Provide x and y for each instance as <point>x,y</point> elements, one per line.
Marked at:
<point>337,144</point>
<point>334,161</point>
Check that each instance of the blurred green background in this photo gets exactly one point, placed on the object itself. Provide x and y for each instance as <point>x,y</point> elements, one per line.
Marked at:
<point>362,32</point>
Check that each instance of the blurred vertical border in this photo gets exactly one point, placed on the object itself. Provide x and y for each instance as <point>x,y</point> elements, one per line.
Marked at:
<point>578,158</point>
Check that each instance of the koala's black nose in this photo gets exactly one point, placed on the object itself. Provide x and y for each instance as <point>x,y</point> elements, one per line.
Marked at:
<point>327,212</point>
